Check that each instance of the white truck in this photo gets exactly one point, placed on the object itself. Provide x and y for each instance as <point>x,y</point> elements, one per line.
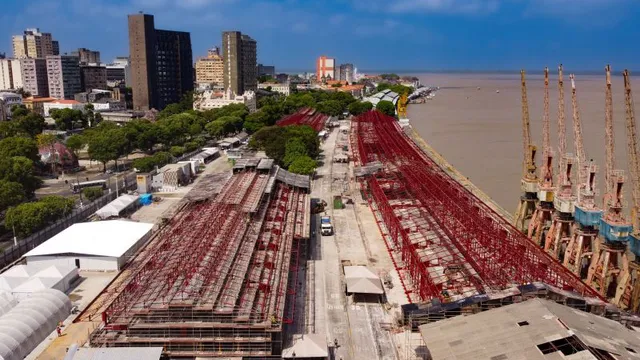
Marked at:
<point>326,228</point>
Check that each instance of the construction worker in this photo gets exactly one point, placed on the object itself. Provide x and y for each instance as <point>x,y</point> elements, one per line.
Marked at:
<point>59,330</point>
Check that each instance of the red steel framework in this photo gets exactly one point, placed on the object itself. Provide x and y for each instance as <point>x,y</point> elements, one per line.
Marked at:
<point>469,246</point>
<point>216,280</point>
<point>305,116</point>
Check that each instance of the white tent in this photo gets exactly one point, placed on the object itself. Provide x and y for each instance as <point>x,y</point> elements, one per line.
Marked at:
<point>362,281</point>
<point>23,280</point>
<point>97,245</point>
<point>7,302</point>
<point>23,327</point>
<point>115,207</point>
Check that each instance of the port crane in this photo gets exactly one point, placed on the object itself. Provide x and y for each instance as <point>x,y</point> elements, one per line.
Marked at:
<point>559,233</point>
<point>402,106</point>
<point>610,254</point>
<point>529,181</point>
<point>587,215</point>
<point>628,292</point>
<point>541,219</point>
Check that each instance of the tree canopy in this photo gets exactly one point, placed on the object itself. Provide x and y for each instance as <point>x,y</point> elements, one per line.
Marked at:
<point>28,218</point>
<point>358,107</point>
<point>386,107</point>
<point>287,144</point>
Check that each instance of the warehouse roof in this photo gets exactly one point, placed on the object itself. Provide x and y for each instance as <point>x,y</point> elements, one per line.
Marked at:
<point>361,280</point>
<point>534,329</point>
<point>307,346</point>
<point>100,238</point>
<point>115,207</point>
<point>128,353</point>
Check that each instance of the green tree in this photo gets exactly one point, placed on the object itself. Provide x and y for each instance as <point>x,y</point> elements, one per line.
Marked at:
<point>28,218</point>
<point>75,143</point>
<point>19,146</point>
<point>92,193</point>
<point>330,107</point>
<point>359,107</point>
<point>30,124</point>
<point>293,150</point>
<point>177,150</point>
<point>19,169</point>
<point>8,129</point>
<point>103,148</point>
<point>386,107</point>
<point>255,121</point>
<point>303,165</point>
<point>11,194</point>
<point>90,114</point>
<point>68,119</point>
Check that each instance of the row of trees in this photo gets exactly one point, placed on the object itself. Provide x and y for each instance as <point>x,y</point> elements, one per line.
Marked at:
<point>27,218</point>
<point>397,88</point>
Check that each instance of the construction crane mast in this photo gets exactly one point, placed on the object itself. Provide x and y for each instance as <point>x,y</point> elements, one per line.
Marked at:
<point>628,292</point>
<point>610,255</point>
<point>587,215</point>
<point>559,234</point>
<point>541,218</point>
<point>529,181</point>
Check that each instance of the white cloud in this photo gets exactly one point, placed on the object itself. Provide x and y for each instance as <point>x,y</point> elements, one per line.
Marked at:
<point>199,4</point>
<point>430,6</point>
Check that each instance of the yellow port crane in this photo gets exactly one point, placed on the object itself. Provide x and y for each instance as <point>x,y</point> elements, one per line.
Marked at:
<point>402,106</point>
<point>529,181</point>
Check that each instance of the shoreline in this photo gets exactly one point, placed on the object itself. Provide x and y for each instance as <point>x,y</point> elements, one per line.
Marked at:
<point>454,173</point>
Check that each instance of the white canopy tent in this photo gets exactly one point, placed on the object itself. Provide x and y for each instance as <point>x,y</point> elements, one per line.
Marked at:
<point>117,206</point>
<point>23,280</point>
<point>307,346</point>
<point>361,280</point>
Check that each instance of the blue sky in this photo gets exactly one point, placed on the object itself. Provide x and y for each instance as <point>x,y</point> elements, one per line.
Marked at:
<point>396,35</point>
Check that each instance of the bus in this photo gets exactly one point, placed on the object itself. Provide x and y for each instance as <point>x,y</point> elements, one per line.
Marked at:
<point>78,186</point>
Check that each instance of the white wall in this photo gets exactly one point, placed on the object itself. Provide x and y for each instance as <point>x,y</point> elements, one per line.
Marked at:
<point>96,263</point>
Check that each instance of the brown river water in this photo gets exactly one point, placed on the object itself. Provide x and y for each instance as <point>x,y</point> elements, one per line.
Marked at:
<point>480,132</point>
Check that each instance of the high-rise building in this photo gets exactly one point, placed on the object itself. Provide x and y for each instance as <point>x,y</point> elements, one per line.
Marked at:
<point>34,76</point>
<point>34,44</point>
<point>55,45</point>
<point>87,56</point>
<point>346,72</point>
<point>210,69</point>
<point>325,68</point>
<point>10,74</point>
<point>65,79</point>
<point>268,70</point>
<point>240,62</point>
<point>161,63</point>
<point>93,77</point>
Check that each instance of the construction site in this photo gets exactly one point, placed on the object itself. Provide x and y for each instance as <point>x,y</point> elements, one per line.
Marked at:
<point>220,277</point>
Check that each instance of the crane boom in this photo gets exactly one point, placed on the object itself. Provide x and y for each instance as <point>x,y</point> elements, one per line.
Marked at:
<point>577,138</point>
<point>546,122</point>
<point>632,141</point>
<point>562,126</point>
<point>609,142</point>
<point>526,129</point>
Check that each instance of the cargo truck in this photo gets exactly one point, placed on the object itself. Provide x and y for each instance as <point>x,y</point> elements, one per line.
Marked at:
<point>326,228</point>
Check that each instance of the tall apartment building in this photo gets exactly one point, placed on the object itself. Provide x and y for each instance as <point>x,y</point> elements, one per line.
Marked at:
<point>87,56</point>
<point>10,74</point>
<point>65,79</point>
<point>34,76</point>
<point>240,62</point>
<point>210,69</point>
<point>325,68</point>
<point>93,77</point>
<point>161,63</point>
<point>35,44</point>
<point>346,72</point>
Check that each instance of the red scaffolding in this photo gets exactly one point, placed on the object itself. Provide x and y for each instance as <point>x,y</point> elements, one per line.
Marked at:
<point>446,240</point>
<point>305,116</point>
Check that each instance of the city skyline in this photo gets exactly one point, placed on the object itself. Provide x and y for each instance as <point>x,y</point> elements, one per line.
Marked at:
<point>429,34</point>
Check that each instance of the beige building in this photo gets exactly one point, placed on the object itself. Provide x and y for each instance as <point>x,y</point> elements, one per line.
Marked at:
<point>210,69</point>
<point>10,74</point>
<point>214,100</point>
<point>34,76</point>
<point>34,44</point>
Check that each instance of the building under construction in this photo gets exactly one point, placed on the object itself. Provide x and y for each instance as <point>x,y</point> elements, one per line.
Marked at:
<point>219,278</point>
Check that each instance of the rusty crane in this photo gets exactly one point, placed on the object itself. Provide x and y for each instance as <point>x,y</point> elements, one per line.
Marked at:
<point>628,291</point>
<point>529,182</point>
<point>541,219</point>
<point>610,253</point>
<point>559,234</point>
<point>586,214</point>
